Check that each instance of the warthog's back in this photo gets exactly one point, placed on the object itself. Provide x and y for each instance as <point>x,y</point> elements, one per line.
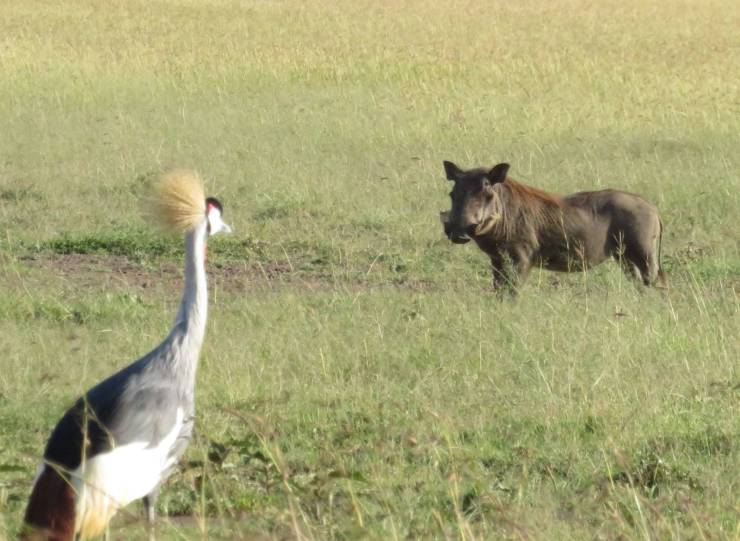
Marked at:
<point>620,211</point>
<point>609,200</point>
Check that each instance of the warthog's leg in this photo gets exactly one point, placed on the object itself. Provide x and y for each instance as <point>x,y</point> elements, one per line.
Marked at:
<point>510,269</point>
<point>522,261</point>
<point>653,273</point>
<point>631,270</point>
<point>635,261</point>
<point>501,277</point>
<point>640,266</point>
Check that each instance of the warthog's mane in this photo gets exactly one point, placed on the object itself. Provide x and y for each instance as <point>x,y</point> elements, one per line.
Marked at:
<point>525,210</point>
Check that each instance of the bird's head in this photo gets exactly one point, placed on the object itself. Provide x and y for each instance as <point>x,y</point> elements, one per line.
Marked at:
<point>214,212</point>
<point>180,204</point>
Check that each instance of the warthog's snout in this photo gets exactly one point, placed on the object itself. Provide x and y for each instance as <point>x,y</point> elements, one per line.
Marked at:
<point>457,235</point>
<point>460,240</point>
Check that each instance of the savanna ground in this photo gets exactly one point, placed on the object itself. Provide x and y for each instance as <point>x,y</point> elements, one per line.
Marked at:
<point>358,378</point>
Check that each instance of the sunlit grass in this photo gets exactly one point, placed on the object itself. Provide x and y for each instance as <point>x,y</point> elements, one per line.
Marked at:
<point>358,378</point>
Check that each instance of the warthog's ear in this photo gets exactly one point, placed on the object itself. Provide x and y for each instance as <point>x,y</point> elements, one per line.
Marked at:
<point>453,171</point>
<point>498,173</point>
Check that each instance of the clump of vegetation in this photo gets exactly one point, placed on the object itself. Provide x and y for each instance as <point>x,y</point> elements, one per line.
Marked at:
<point>133,244</point>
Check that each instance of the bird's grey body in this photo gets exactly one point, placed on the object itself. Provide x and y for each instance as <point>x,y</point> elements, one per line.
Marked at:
<point>126,434</point>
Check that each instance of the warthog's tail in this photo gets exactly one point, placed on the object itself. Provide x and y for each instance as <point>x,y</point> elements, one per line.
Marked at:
<point>661,274</point>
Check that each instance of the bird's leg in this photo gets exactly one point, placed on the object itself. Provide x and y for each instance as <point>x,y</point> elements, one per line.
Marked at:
<point>150,502</point>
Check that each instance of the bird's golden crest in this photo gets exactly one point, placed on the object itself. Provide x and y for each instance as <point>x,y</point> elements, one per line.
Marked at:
<point>179,200</point>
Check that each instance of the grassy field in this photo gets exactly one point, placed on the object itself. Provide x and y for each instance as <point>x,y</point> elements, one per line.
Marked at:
<point>359,379</point>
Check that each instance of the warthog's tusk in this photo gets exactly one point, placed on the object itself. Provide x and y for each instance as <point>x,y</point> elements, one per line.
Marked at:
<point>487,225</point>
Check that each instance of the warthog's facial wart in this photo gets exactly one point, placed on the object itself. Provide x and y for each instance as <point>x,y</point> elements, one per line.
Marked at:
<point>486,225</point>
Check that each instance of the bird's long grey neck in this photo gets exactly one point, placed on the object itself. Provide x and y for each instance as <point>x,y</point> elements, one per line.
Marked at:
<point>191,317</point>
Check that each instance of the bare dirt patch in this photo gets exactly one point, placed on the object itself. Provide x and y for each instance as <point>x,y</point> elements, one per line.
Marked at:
<point>112,271</point>
<point>119,272</point>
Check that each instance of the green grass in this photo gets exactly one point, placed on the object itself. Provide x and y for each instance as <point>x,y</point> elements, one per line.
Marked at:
<point>358,379</point>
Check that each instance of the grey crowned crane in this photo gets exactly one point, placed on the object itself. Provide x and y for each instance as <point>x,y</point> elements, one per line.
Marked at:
<point>119,441</point>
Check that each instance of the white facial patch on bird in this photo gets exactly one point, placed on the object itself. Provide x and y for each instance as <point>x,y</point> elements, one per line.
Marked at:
<point>108,481</point>
<point>216,222</point>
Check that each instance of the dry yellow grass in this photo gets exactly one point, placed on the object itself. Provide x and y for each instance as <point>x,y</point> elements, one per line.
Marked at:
<point>357,379</point>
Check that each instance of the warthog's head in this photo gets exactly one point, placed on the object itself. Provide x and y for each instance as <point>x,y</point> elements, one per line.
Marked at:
<point>476,206</point>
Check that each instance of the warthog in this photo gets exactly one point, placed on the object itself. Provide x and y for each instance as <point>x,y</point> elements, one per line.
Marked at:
<point>519,226</point>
